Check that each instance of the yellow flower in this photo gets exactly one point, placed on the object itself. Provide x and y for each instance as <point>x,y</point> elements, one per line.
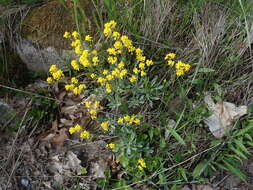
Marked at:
<point>127,43</point>
<point>81,87</point>
<point>76,43</point>
<point>93,112</point>
<point>109,77</point>
<point>58,75</point>
<point>121,65</point>
<point>88,38</point>
<point>170,56</point>
<point>111,146</point>
<point>142,66</point>
<point>85,53</point>
<point>116,35</point>
<point>107,31</point>
<point>116,72</point>
<point>141,58</point>
<point>101,80</point>
<point>105,71</point>
<point>84,61</point>
<point>136,71</point>
<point>78,128</point>
<point>75,65</point>
<point>120,120</point>
<point>74,80</point>
<point>179,72</point>
<point>131,120</point>
<point>88,104</point>
<point>133,79</point>
<point>66,35</point>
<point>149,62</point>
<point>181,68</point>
<point>123,73</point>
<point>69,87</point>
<point>93,75</point>
<point>140,168</point>
<point>78,50</point>
<point>50,80</point>
<point>171,63</point>
<point>138,51</point>
<point>53,69</point>
<point>127,118</point>
<point>96,104</point>
<point>72,130</point>
<point>143,73</point>
<point>137,121</point>
<point>76,91</point>
<point>113,24</point>
<point>112,60</point>
<point>118,45</point>
<point>75,34</point>
<point>95,60</point>
<point>85,135</point>
<point>105,125</point>
<point>142,163</point>
<point>108,88</point>
<point>111,51</point>
<point>94,52</point>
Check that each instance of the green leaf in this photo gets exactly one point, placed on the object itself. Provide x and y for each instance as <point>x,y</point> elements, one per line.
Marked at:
<point>182,173</point>
<point>235,171</point>
<point>250,143</point>
<point>248,136</point>
<point>162,143</point>
<point>151,133</point>
<point>246,129</point>
<point>199,169</point>
<point>177,136</point>
<point>124,160</point>
<point>205,70</point>
<point>238,152</point>
<point>239,143</point>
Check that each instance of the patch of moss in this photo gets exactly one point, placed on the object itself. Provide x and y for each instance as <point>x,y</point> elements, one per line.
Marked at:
<point>45,25</point>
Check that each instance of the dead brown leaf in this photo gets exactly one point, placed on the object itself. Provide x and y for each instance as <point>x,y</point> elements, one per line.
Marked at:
<point>224,114</point>
<point>61,137</point>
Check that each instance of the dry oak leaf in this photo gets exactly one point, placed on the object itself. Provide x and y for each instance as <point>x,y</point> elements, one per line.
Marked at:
<point>224,114</point>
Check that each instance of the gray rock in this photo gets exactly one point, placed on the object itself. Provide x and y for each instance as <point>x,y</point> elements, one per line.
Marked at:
<point>38,59</point>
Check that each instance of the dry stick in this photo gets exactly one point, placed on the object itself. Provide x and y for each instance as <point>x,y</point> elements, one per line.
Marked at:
<point>13,144</point>
<point>30,93</point>
<point>156,173</point>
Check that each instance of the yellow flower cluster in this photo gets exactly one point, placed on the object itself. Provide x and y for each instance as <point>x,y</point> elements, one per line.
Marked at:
<point>76,89</point>
<point>105,125</point>
<point>89,58</point>
<point>78,129</point>
<point>141,164</point>
<point>111,146</point>
<point>181,67</point>
<point>92,107</point>
<point>127,119</point>
<point>86,58</point>
<point>56,73</point>
<point>109,27</point>
<point>120,43</point>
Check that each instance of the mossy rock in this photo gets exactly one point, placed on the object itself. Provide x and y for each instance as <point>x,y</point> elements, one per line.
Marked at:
<point>45,25</point>
<point>41,41</point>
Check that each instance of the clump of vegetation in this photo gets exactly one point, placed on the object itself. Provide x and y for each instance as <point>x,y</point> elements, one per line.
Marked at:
<point>150,81</point>
<point>136,111</point>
